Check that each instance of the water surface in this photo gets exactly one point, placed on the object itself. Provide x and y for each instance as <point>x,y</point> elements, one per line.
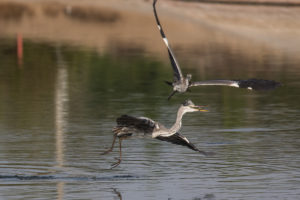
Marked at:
<point>59,103</point>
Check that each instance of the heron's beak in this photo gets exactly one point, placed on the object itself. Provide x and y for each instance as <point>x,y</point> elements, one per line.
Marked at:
<point>199,108</point>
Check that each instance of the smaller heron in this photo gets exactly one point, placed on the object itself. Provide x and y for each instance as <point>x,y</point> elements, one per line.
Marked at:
<point>128,126</point>
<point>182,84</point>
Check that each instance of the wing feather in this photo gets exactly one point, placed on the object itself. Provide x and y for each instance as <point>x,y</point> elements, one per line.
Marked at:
<point>179,139</point>
<point>175,66</point>
<point>253,84</point>
<point>215,82</point>
<point>139,124</point>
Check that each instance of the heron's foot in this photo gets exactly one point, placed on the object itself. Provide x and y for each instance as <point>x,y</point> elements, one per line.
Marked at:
<point>116,163</point>
<point>106,152</point>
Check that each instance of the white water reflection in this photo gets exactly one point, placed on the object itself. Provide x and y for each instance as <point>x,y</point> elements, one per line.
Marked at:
<point>61,114</point>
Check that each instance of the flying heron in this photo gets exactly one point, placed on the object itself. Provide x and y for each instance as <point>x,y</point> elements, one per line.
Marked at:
<point>128,126</point>
<point>182,84</point>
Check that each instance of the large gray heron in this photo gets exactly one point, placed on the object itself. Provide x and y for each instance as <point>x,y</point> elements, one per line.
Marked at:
<point>128,126</point>
<point>182,84</point>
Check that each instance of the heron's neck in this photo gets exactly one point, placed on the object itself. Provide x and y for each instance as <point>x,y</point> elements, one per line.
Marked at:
<point>176,127</point>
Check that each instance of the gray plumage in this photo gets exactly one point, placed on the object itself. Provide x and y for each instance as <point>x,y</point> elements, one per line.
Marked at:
<point>182,84</point>
<point>128,126</point>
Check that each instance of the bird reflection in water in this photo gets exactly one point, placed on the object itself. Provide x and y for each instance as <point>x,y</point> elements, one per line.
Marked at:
<point>61,113</point>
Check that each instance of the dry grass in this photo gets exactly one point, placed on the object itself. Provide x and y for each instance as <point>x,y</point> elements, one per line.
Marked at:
<point>53,10</point>
<point>131,22</point>
<point>280,3</point>
<point>14,11</point>
<point>91,14</point>
<point>81,13</point>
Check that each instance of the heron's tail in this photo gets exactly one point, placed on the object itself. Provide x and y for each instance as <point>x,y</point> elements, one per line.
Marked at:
<point>168,83</point>
<point>122,132</point>
<point>116,130</point>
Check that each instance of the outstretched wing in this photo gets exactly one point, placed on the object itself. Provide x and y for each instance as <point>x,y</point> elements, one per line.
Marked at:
<point>215,82</point>
<point>252,84</point>
<point>176,69</point>
<point>179,139</point>
<point>138,124</point>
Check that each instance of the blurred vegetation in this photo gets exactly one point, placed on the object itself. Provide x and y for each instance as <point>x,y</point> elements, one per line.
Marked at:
<point>14,11</point>
<point>82,13</point>
<point>91,14</point>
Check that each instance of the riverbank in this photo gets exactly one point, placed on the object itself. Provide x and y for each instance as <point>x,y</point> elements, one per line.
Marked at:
<point>106,24</point>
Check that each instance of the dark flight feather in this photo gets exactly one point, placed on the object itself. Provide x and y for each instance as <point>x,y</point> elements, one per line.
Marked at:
<point>258,84</point>
<point>141,124</point>
<point>177,74</point>
<point>180,140</point>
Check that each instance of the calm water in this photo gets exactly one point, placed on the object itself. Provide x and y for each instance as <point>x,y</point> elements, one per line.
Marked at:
<point>59,104</point>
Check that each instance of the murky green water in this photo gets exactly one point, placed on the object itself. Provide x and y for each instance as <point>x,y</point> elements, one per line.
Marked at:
<point>59,104</point>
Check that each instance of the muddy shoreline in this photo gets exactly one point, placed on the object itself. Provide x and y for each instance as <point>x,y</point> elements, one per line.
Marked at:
<point>105,24</point>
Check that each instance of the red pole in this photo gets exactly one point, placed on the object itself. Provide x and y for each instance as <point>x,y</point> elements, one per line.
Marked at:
<point>20,48</point>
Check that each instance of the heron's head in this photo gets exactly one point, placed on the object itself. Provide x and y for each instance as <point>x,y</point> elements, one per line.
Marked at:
<point>189,77</point>
<point>189,106</point>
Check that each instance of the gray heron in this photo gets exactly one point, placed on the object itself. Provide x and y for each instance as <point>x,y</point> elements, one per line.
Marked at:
<point>128,126</point>
<point>182,84</point>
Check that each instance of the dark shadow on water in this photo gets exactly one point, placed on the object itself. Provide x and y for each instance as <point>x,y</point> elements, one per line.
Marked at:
<point>204,197</point>
<point>61,178</point>
<point>200,197</point>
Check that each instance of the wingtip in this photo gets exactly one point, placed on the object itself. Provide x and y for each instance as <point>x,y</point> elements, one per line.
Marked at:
<point>259,84</point>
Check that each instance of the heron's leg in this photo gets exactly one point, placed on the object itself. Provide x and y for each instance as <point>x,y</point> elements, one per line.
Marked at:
<point>118,193</point>
<point>171,94</point>
<point>120,151</point>
<point>112,146</point>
